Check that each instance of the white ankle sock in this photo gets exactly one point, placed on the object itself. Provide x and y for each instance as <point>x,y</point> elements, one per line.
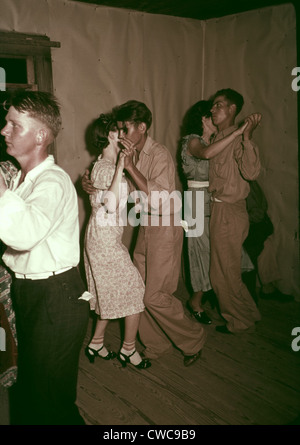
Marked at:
<point>135,358</point>
<point>97,346</point>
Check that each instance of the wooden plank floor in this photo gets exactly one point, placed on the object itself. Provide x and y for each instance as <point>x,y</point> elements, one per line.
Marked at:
<point>248,379</point>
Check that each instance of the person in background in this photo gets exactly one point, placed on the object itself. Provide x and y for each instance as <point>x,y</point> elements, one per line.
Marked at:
<point>229,173</point>
<point>113,280</point>
<point>39,225</point>
<point>196,150</point>
<point>259,245</point>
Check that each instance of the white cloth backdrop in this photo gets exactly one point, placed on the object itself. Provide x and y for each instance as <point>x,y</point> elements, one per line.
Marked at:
<point>110,55</point>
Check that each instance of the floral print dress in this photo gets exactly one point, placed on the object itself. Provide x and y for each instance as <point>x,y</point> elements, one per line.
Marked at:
<point>8,374</point>
<point>113,280</point>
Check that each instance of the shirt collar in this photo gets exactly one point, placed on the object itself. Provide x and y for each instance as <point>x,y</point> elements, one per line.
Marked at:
<point>147,146</point>
<point>44,165</point>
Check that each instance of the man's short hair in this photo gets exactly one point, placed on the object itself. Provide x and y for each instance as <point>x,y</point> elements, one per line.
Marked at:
<point>233,97</point>
<point>133,111</point>
<point>39,105</point>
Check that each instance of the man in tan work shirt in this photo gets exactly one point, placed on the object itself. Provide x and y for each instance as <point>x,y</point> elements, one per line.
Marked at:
<point>157,253</point>
<point>229,224</point>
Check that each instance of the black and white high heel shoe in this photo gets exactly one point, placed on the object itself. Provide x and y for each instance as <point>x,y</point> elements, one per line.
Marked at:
<point>124,359</point>
<point>92,353</point>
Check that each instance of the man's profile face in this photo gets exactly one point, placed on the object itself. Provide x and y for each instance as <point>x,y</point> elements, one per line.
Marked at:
<point>20,133</point>
<point>132,132</point>
<point>220,110</point>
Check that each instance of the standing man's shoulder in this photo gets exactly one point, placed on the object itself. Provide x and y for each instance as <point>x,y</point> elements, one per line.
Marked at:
<point>55,175</point>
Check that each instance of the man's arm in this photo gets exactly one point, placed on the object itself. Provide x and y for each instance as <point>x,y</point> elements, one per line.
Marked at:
<point>136,176</point>
<point>24,223</point>
<point>87,184</point>
<point>253,121</point>
<point>247,155</point>
<point>198,150</point>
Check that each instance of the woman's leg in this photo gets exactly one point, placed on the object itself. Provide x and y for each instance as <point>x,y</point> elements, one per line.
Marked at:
<point>128,346</point>
<point>128,353</point>
<point>97,342</point>
<point>196,301</point>
<point>194,305</point>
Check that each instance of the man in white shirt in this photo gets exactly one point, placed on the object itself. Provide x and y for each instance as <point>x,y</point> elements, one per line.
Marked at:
<point>39,224</point>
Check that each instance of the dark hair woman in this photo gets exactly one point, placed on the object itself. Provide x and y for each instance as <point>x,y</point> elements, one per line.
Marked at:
<point>113,280</point>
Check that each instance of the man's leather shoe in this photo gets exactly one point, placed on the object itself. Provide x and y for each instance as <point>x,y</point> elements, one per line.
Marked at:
<point>223,329</point>
<point>190,359</point>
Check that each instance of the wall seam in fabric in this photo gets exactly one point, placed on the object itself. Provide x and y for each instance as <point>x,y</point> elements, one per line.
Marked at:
<point>203,59</point>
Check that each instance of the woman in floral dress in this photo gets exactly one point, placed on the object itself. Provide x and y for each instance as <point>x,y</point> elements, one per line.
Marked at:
<point>113,280</point>
<point>8,365</point>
